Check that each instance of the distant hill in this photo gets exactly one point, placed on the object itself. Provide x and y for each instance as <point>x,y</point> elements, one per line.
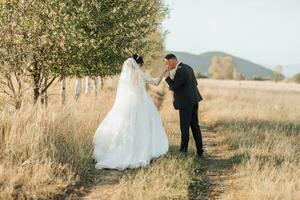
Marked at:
<point>202,62</point>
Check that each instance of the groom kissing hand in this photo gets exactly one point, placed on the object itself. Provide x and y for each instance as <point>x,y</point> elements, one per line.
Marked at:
<point>186,96</point>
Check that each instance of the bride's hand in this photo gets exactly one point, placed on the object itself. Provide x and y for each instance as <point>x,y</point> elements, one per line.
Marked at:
<point>166,73</point>
<point>166,69</point>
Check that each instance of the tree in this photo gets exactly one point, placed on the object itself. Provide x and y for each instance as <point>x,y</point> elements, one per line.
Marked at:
<point>37,32</point>
<point>239,77</point>
<point>222,67</point>
<point>12,57</point>
<point>277,74</point>
<point>228,66</point>
<point>58,39</point>
<point>11,84</point>
<point>215,68</point>
<point>122,28</point>
<point>198,73</point>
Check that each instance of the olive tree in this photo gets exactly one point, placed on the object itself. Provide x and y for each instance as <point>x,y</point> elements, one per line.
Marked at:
<point>48,40</point>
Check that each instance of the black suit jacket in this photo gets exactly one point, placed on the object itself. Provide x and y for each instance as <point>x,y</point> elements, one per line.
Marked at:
<point>184,86</point>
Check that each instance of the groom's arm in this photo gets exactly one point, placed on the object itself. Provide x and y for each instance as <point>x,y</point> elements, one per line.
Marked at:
<point>179,80</point>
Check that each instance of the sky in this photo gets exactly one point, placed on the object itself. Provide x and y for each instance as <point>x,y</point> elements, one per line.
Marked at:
<point>263,31</point>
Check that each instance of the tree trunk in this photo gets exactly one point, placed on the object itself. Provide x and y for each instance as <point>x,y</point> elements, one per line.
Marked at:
<point>42,99</point>
<point>96,85</point>
<point>18,103</point>
<point>87,86</point>
<point>2,136</point>
<point>102,83</point>
<point>63,91</point>
<point>36,76</point>
<point>36,93</point>
<point>43,92</point>
<point>77,88</point>
<point>46,97</point>
<point>12,88</point>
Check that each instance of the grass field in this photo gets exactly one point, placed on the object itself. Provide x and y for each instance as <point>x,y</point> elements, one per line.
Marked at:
<point>260,123</point>
<point>251,133</point>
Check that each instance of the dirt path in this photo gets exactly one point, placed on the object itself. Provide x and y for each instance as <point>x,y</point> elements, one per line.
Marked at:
<point>210,177</point>
<point>104,189</point>
<point>208,182</point>
<point>213,170</point>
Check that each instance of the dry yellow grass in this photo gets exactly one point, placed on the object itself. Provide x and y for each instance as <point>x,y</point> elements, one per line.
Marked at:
<point>261,124</point>
<point>252,100</point>
<point>45,151</point>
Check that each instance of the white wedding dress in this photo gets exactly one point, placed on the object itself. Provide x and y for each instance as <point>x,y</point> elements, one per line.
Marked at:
<point>132,132</point>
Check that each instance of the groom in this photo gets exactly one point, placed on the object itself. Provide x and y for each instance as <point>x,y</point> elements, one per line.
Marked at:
<point>182,82</point>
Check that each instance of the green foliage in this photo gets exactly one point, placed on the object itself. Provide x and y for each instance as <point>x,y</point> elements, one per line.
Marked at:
<point>257,78</point>
<point>50,39</point>
<point>112,30</point>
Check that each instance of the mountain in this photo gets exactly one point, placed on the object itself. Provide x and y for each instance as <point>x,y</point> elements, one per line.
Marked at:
<point>202,62</point>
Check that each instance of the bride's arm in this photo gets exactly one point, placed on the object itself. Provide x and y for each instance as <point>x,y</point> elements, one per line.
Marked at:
<point>158,79</point>
<point>154,81</point>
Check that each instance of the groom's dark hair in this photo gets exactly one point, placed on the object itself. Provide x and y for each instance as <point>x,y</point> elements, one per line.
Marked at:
<point>170,56</point>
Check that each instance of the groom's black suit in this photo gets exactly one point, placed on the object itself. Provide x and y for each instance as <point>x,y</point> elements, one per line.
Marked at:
<point>186,98</point>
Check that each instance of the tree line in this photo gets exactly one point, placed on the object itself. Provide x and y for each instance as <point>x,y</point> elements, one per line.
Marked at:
<point>42,41</point>
<point>223,67</point>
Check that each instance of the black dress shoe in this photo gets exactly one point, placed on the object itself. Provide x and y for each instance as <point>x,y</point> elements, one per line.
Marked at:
<point>183,152</point>
<point>200,155</point>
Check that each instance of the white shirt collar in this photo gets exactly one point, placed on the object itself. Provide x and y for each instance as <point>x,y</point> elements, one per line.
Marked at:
<point>179,62</point>
<point>173,71</point>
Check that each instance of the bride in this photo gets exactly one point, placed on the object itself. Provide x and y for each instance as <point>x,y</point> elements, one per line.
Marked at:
<point>131,134</point>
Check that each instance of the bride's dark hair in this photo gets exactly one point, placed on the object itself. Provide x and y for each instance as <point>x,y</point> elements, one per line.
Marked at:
<point>139,59</point>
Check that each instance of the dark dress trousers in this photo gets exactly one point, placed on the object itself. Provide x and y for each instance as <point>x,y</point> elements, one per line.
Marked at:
<point>186,99</point>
